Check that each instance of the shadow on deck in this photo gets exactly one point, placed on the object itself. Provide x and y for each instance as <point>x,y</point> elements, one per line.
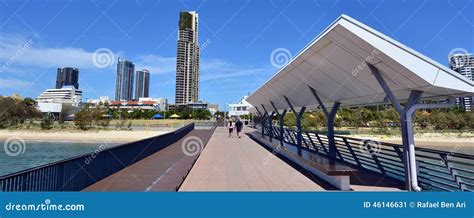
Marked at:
<point>163,171</point>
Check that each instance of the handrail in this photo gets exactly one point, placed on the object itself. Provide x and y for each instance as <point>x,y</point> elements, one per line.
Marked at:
<point>445,170</point>
<point>105,163</point>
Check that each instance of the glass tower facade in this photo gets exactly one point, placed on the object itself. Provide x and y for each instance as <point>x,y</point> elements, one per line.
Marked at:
<point>142,85</point>
<point>124,80</point>
<point>67,76</point>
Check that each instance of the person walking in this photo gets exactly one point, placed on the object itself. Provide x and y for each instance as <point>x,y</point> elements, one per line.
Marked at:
<point>238,126</point>
<point>230,126</point>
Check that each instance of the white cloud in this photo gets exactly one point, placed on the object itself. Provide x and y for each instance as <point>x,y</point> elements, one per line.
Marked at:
<point>18,50</point>
<point>14,83</point>
<point>219,69</point>
<point>20,55</point>
<point>156,64</point>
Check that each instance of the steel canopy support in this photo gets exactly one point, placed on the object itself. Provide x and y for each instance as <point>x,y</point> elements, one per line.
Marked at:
<point>330,115</point>
<point>262,122</point>
<point>406,123</point>
<point>270,124</point>
<point>407,135</point>
<point>281,117</point>
<point>298,115</point>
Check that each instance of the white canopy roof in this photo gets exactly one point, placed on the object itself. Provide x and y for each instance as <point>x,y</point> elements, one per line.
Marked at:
<point>334,64</point>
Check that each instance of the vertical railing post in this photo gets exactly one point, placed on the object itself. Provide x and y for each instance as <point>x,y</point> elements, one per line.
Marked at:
<point>262,121</point>
<point>281,121</point>
<point>299,116</point>
<point>330,116</point>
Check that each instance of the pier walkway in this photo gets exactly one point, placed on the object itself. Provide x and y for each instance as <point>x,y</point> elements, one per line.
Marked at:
<point>240,164</point>
<point>170,164</point>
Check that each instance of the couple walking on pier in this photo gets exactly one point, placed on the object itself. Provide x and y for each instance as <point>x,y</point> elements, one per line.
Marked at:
<point>237,126</point>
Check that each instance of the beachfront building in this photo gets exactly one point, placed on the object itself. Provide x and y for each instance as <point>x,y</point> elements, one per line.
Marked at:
<point>67,76</point>
<point>158,104</point>
<point>187,59</point>
<point>142,85</point>
<point>100,100</point>
<point>213,108</point>
<point>65,100</point>
<point>464,65</point>
<point>240,108</point>
<point>124,80</point>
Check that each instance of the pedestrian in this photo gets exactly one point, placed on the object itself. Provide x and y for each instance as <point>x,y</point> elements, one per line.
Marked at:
<point>230,126</point>
<point>238,126</point>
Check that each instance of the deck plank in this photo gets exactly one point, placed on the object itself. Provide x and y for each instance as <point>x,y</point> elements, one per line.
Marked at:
<point>240,164</point>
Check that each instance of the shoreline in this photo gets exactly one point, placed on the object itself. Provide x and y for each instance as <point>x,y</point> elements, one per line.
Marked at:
<point>99,136</point>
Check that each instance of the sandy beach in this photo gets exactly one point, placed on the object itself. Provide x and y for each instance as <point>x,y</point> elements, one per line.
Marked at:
<point>80,136</point>
<point>443,141</point>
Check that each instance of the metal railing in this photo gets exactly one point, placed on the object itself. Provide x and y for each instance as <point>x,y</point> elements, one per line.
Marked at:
<point>437,170</point>
<point>76,173</point>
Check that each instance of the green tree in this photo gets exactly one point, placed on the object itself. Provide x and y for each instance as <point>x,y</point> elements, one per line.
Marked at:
<point>47,121</point>
<point>85,118</point>
<point>422,119</point>
<point>15,111</point>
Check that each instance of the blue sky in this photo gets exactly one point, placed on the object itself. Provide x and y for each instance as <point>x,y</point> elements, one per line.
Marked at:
<point>236,38</point>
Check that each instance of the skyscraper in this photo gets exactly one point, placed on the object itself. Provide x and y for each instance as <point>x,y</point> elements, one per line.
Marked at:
<point>124,80</point>
<point>463,64</point>
<point>187,59</point>
<point>142,85</point>
<point>67,76</point>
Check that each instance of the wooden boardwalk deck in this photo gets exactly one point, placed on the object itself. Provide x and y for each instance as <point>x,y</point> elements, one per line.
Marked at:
<point>147,174</point>
<point>233,164</point>
<point>240,164</point>
<point>226,164</point>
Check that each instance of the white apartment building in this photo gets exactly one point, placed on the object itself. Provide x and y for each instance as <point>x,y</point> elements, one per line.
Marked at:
<point>240,108</point>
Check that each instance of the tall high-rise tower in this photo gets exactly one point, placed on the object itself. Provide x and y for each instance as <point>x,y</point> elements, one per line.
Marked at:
<point>67,76</point>
<point>187,59</point>
<point>142,85</point>
<point>463,64</point>
<point>124,80</point>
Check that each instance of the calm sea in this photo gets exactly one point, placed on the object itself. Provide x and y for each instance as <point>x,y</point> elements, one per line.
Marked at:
<point>36,153</point>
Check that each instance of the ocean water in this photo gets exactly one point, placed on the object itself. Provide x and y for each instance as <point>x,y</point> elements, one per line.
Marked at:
<point>17,155</point>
